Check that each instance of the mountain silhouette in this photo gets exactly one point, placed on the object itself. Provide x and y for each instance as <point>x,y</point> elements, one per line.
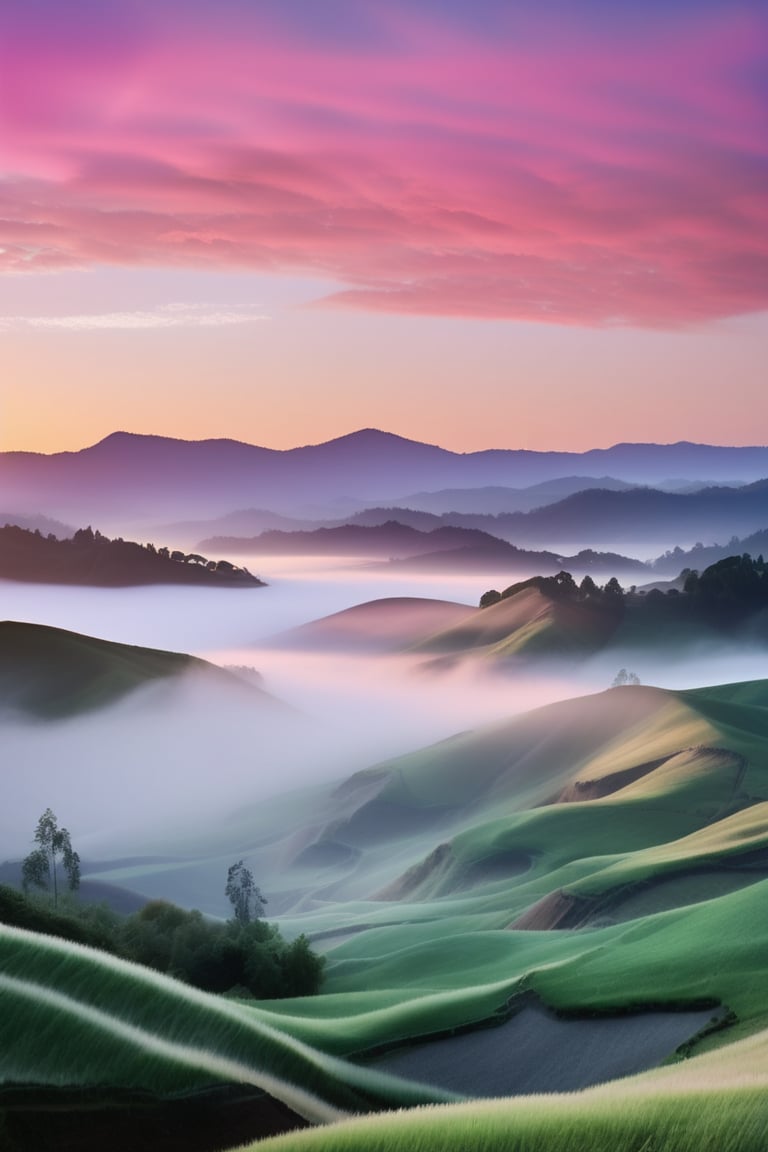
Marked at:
<point>153,477</point>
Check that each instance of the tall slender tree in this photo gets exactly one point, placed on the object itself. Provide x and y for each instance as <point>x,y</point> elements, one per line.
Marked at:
<point>243,894</point>
<point>54,850</point>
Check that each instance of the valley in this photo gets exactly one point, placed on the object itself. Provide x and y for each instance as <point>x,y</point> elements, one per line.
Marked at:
<point>383,576</point>
<point>548,897</point>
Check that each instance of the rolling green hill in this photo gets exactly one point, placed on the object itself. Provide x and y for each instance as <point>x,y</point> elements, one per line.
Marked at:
<point>630,830</point>
<point>714,1103</point>
<point>553,616</point>
<point>604,858</point>
<point>50,672</point>
<point>531,622</point>
<point>74,1017</point>
<point>444,882</point>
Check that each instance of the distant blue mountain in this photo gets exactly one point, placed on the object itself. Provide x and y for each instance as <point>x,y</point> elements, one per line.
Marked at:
<point>135,476</point>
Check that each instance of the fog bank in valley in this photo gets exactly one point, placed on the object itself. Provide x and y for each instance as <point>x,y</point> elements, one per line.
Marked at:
<point>146,774</point>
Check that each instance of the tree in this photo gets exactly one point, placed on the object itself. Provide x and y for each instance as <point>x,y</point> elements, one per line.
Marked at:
<point>623,677</point>
<point>691,583</point>
<point>244,896</point>
<point>41,867</point>
<point>588,588</point>
<point>564,584</point>
<point>302,969</point>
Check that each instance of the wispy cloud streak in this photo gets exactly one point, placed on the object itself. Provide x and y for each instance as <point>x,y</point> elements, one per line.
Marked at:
<point>600,165</point>
<point>169,316</point>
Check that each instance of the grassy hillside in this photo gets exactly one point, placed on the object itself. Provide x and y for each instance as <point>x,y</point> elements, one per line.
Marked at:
<point>51,672</point>
<point>644,826</point>
<point>509,623</point>
<point>706,1105</point>
<point>76,1016</point>
<point>391,623</point>
<point>623,834</point>
<point>625,769</point>
<point>554,616</point>
<point>598,857</point>
<point>604,853</point>
<point>530,622</point>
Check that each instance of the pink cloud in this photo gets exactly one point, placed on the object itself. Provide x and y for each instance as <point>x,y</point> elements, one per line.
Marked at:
<point>560,171</point>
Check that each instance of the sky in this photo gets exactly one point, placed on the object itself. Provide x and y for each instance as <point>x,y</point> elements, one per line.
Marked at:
<point>538,225</point>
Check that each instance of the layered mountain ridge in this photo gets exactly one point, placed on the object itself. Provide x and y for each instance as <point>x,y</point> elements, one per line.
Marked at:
<point>125,472</point>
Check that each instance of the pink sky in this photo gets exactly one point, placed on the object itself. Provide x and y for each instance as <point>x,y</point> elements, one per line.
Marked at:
<point>281,222</point>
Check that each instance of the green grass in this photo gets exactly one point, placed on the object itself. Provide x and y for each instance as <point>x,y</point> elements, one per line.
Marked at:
<point>530,623</point>
<point>50,672</point>
<point>385,820</point>
<point>700,1122</point>
<point>712,1121</point>
<point>712,1103</point>
<point>490,826</point>
<point>442,955</point>
<point>724,842</point>
<point>389,984</point>
<point>71,1015</point>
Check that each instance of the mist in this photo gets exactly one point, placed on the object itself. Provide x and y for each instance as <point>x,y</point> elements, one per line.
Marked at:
<point>165,765</point>
<point>697,666</point>
<point>199,620</point>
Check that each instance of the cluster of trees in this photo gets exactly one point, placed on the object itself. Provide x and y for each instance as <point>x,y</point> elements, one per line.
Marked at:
<point>562,587</point>
<point>740,579</point>
<point>90,557</point>
<point>250,958</point>
<point>87,536</point>
<point>726,592</point>
<point>244,955</point>
<point>623,678</point>
<point>731,592</point>
<point>702,555</point>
